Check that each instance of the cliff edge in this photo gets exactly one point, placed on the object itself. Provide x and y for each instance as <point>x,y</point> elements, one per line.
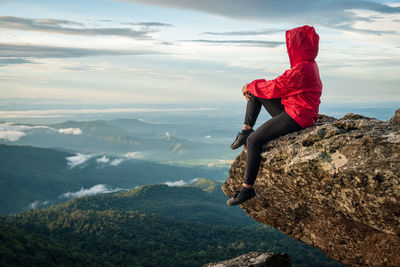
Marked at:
<point>335,186</point>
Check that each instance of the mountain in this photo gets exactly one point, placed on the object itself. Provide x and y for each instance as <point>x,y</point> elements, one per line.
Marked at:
<point>30,175</point>
<point>201,201</point>
<point>141,128</point>
<point>129,238</point>
<point>114,137</point>
<point>98,127</point>
<point>183,226</point>
<point>209,133</point>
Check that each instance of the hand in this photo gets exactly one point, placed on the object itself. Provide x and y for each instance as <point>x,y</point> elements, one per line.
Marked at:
<point>245,92</point>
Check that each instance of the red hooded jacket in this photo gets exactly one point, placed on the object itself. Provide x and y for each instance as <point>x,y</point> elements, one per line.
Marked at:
<point>300,86</point>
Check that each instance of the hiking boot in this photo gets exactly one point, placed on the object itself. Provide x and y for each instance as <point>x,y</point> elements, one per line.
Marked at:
<point>241,138</point>
<point>241,196</point>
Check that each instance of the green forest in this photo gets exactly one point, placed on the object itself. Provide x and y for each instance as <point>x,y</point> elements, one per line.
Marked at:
<point>152,225</point>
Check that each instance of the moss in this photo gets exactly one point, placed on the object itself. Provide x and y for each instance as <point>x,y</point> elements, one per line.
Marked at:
<point>324,156</point>
<point>321,132</point>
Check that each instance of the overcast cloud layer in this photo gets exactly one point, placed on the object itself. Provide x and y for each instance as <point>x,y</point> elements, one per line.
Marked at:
<point>135,51</point>
<point>240,42</point>
<point>329,13</point>
<point>39,51</point>
<point>73,27</point>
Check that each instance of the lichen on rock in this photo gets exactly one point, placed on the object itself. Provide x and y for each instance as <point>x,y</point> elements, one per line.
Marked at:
<point>335,186</point>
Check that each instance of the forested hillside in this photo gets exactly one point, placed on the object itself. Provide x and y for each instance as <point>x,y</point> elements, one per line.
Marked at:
<point>182,226</point>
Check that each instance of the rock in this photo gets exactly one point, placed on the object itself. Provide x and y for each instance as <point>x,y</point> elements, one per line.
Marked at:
<point>396,118</point>
<point>255,259</point>
<point>335,186</point>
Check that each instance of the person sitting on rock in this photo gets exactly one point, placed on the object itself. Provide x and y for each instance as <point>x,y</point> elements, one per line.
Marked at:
<point>292,100</point>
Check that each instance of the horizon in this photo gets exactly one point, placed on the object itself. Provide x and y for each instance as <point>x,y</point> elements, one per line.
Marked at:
<point>169,112</point>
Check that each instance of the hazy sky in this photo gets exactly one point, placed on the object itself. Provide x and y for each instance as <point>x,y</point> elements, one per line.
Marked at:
<point>174,50</point>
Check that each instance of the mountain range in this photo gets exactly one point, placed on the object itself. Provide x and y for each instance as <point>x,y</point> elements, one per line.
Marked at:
<point>126,192</point>
<point>152,225</point>
<point>151,141</point>
<point>31,176</point>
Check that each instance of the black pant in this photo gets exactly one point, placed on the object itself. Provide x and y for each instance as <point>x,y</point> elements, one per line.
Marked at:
<point>280,124</point>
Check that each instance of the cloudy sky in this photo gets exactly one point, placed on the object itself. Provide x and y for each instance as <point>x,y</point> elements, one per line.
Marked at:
<point>135,51</point>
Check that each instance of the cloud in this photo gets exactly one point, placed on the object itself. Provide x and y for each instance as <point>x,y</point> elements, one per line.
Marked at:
<point>167,136</point>
<point>180,182</point>
<point>220,163</point>
<point>13,132</point>
<point>36,51</point>
<point>103,159</point>
<point>79,68</point>
<point>116,162</point>
<point>150,24</point>
<point>94,190</point>
<point>11,135</point>
<point>176,183</point>
<point>36,204</point>
<point>244,33</point>
<point>322,12</point>
<point>78,159</point>
<point>350,28</point>
<point>64,27</point>
<point>74,131</point>
<point>14,61</point>
<point>134,155</point>
<point>50,113</point>
<point>240,42</point>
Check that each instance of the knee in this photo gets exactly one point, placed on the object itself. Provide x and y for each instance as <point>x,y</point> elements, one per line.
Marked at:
<point>251,140</point>
<point>253,98</point>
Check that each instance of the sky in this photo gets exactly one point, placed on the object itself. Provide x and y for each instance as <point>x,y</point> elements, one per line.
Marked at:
<point>170,51</point>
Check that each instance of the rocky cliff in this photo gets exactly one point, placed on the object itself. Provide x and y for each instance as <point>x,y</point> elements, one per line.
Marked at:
<point>335,186</point>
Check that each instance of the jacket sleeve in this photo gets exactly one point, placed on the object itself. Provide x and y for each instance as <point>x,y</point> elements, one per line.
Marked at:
<point>289,83</point>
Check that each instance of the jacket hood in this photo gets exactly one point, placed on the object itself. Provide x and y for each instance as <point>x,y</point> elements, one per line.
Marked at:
<point>302,44</point>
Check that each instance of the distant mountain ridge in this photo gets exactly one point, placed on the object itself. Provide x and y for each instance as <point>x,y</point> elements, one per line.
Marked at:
<point>29,174</point>
<point>156,142</point>
<point>154,130</point>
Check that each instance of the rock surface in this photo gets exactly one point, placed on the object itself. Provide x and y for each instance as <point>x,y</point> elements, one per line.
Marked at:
<point>255,259</point>
<point>335,186</point>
